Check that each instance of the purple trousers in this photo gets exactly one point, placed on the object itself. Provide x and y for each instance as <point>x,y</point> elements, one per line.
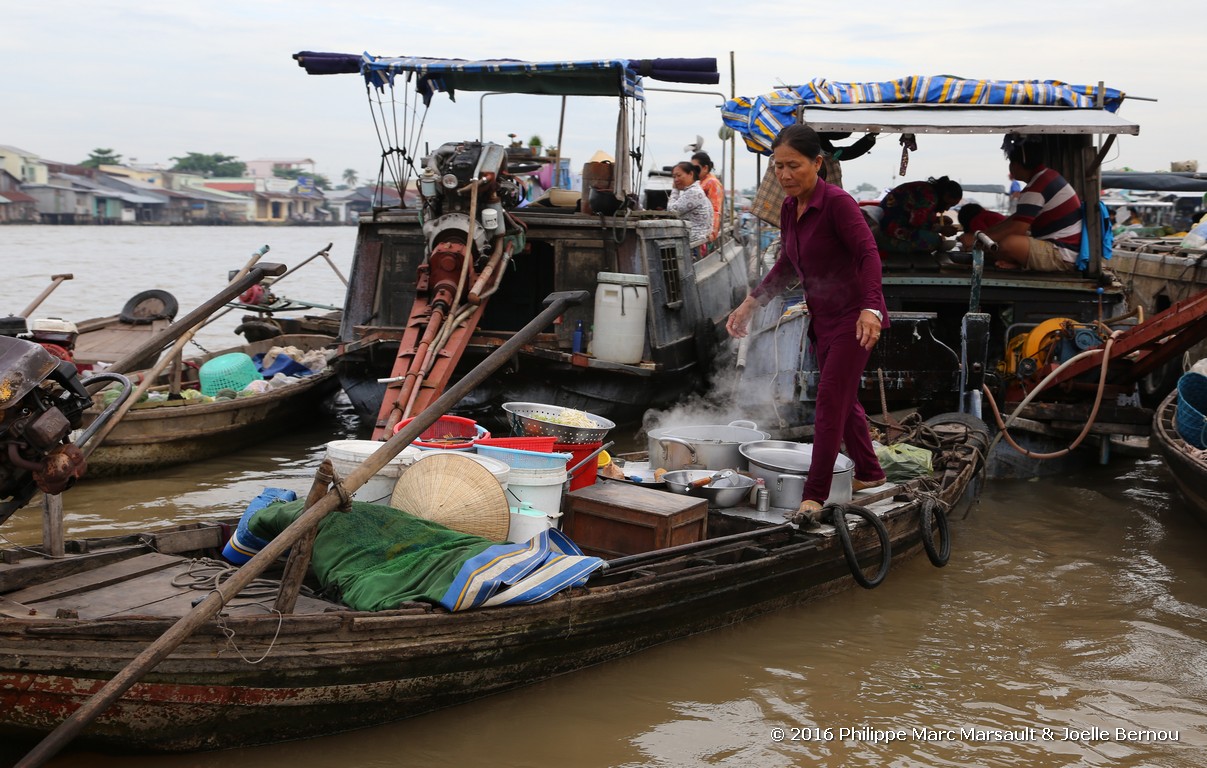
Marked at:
<point>838,417</point>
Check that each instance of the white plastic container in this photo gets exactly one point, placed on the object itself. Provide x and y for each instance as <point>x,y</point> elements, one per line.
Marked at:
<point>346,456</point>
<point>621,304</point>
<point>497,468</point>
<point>542,488</point>
<point>527,522</point>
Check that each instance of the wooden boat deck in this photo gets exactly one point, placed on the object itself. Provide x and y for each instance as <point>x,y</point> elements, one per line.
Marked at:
<point>153,584</point>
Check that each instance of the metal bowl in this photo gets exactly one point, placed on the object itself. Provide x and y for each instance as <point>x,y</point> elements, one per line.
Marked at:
<point>723,492</point>
<point>528,420</point>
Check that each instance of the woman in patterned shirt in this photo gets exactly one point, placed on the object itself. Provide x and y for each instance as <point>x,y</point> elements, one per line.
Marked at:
<point>688,200</point>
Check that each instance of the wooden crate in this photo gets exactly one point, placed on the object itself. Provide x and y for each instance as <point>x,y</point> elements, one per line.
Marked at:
<point>610,519</point>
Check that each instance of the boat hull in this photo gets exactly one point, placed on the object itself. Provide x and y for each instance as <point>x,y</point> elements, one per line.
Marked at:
<point>327,672</point>
<point>688,301</point>
<point>1186,464</point>
<point>176,432</point>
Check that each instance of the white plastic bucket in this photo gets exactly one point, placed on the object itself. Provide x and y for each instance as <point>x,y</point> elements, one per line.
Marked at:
<point>527,522</point>
<point>621,303</point>
<point>347,455</point>
<point>542,488</point>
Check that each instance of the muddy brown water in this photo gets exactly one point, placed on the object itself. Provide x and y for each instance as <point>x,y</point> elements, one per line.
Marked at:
<point>1070,628</point>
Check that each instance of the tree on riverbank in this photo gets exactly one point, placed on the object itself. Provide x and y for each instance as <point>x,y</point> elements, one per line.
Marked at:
<point>99,157</point>
<point>222,166</point>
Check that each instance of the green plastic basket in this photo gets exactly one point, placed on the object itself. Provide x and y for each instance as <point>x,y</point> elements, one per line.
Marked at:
<point>231,371</point>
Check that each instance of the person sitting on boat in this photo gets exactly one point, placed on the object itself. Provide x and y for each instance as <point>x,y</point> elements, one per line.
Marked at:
<point>689,201</point>
<point>713,190</point>
<point>912,219</point>
<point>974,217</point>
<point>833,155</point>
<point>1044,232</point>
<point>827,245</point>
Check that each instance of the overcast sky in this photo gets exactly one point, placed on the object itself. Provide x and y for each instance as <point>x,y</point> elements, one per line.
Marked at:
<point>156,80</point>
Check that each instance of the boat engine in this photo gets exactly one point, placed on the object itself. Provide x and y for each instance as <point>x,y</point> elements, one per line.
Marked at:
<point>1031,355</point>
<point>42,399</point>
<point>446,186</point>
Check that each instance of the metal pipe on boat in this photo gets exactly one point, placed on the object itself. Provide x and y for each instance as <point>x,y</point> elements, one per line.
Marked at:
<point>209,607</point>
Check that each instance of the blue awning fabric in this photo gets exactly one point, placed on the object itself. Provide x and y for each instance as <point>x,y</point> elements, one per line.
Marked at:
<point>759,120</point>
<point>605,77</point>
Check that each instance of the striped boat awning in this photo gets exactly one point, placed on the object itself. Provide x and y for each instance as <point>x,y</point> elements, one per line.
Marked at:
<point>930,105</point>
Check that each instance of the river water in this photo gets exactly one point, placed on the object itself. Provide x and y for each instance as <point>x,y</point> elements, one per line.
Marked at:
<point>1069,629</point>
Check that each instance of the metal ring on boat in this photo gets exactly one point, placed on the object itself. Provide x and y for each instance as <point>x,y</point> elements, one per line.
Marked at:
<point>931,509</point>
<point>838,513</point>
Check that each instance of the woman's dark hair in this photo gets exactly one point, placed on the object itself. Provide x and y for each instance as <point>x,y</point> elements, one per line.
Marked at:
<point>687,167</point>
<point>968,212</point>
<point>947,190</point>
<point>703,159</point>
<point>802,138</point>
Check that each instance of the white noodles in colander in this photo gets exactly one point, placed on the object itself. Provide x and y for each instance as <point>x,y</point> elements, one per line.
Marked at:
<point>569,418</point>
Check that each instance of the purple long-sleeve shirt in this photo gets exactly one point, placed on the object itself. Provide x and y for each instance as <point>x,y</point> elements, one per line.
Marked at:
<point>831,249</point>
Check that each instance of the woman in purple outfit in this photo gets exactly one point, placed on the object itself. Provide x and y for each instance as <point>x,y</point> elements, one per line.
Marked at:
<point>828,246</point>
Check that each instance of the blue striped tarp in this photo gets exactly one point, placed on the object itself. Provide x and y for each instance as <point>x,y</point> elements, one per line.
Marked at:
<point>759,120</point>
<point>512,574</point>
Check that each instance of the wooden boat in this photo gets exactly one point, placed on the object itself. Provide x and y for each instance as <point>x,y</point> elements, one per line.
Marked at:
<point>97,341</point>
<point>1187,464</point>
<point>71,623</point>
<point>408,258</point>
<point>966,335</point>
<point>1157,271</point>
<point>159,434</point>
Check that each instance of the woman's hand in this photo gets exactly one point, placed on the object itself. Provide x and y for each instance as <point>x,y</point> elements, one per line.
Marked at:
<point>739,319</point>
<point>867,330</point>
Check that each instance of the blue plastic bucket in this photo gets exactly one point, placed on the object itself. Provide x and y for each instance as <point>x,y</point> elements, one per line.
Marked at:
<point>1192,403</point>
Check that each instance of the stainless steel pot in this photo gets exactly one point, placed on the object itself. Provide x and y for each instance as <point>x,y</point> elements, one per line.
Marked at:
<point>784,466</point>
<point>721,492</point>
<point>707,447</point>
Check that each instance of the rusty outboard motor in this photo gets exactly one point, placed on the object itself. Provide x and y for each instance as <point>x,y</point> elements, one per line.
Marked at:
<point>42,399</point>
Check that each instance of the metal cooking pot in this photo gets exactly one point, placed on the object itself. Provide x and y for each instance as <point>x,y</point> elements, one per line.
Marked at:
<point>721,492</point>
<point>784,465</point>
<point>708,447</point>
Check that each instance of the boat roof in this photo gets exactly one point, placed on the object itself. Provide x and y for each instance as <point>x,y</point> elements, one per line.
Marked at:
<point>894,118</point>
<point>926,104</point>
<point>600,77</point>
<point>1157,182</point>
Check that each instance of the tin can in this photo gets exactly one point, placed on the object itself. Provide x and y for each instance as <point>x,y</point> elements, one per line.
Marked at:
<point>762,499</point>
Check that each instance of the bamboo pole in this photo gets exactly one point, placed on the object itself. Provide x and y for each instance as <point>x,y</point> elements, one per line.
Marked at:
<point>308,519</point>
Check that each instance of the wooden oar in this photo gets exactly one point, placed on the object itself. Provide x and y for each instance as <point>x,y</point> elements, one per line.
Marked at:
<point>151,373</point>
<point>181,326</point>
<point>308,519</point>
<point>42,296</point>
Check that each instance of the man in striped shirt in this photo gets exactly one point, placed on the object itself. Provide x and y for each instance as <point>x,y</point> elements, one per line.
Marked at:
<point>1044,232</point>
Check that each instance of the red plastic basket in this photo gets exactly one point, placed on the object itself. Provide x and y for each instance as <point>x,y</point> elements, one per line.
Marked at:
<point>449,433</point>
<point>540,444</point>
<point>586,474</point>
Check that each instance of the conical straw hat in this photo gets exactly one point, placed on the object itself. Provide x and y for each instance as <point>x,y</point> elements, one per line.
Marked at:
<point>455,491</point>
